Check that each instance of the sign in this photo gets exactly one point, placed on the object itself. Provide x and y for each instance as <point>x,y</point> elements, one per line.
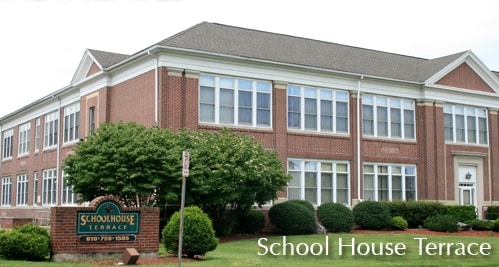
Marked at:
<point>185,163</point>
<point>108,220</point>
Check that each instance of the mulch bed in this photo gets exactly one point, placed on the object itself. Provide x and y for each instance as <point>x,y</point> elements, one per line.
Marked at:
<point>225,239</point>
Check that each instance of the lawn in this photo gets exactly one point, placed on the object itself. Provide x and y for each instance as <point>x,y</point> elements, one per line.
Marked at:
<point>397,250</point>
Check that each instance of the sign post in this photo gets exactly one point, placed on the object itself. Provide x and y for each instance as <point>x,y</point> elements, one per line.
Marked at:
<point>185,174</point>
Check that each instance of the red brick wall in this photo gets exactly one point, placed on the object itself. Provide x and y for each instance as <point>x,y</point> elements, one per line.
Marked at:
<point>133,100</point>
<point>465,77</point>
<point>64,239</point>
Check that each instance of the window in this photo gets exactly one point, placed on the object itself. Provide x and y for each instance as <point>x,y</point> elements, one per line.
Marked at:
<point>24,137</point>
<point>389,182</point>
<point>6,191</point>
<point>71,122</point>
<point>35,189</point>
<point>8,139</point>
<point>319,181</point>
<point>91,119</point>
<point>388,117</point>
<point>22,190</point>
<point>317,109</point>
<point>465,124</point>
<point>37,135</point>
<point>49,187</point>
<point>51,130</point>
<point>68,196</point>
<point>234,101</point>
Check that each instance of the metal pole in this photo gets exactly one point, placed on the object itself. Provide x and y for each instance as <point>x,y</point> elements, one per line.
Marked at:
<point>185,174</point>
<point>181,228</point>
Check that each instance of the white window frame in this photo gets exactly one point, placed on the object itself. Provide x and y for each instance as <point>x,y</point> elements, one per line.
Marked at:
<point>8,144</point>
<point>390,104</point>
<point>22,190</point>
<point>51,130</point>
<point>6,191</point>
<point>257,88</point>
<point>390,174</point>
<point>298,169</point>
<point>304,94</point>
<point>49,187</point>
<point>24,139</point>
<point>478,116</point>
<point>68,197</point>
<point>35,189</point>
<point>37,134</point>
<point>71,123</point>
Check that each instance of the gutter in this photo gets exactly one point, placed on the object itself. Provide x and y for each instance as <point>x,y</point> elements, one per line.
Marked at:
<point>156,78</point>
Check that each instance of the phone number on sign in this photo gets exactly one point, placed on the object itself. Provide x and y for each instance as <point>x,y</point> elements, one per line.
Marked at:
<point>107,238</point>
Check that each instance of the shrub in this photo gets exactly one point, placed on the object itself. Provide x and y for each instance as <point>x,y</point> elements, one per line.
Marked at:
<point>461,213</point>
<point>292,218</point>
<point>252,222</point>
<point>495,227</point>
<point>441,223</point>
<point>416,212</point>
<point>335,217</point>
<point>199,236</point>
<point>398,222</point>
<point>304,203</point>
<point>480,224</point>
<point>27,242</point>
<point>492,213</point>
<point>372,215</point>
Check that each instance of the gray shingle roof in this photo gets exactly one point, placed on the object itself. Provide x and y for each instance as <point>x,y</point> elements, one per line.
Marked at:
<point>223,39</point>
<point>106,59</point>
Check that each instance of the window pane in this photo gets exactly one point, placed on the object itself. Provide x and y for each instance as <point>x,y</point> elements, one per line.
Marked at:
<point>327,180</point>
<point>382,121</point>
<point>367,121</point>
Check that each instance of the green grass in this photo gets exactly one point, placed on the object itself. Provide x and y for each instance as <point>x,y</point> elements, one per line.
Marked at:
<point>245,253</point>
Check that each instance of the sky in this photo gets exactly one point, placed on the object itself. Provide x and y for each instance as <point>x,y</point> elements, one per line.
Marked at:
<point>43,41</point>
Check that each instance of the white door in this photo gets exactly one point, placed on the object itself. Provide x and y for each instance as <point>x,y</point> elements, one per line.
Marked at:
<point>467,185</point>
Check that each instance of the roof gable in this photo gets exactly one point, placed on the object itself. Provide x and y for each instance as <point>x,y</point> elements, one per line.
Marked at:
<point>466,72</point>
<point>94,62</point>
<point>464,76</point>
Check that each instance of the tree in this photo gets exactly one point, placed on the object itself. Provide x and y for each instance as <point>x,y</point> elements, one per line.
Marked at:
<point>124,160</point>
<point>229,173</point>
<point>143,167</point>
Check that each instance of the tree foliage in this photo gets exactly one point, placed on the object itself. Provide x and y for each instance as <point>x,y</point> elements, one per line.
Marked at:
<point>143,167</point>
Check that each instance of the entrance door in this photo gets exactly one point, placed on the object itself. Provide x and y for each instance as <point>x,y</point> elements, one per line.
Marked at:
<point>467,185</point>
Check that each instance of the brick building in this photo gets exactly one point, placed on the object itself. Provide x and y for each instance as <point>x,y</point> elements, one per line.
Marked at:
<point>349,123</point>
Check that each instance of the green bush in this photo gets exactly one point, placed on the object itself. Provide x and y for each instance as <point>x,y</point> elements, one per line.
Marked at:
<point>304,203</point>
<point>27,242</point>
<point>461,213</point>
<point>252,222</point>
<point>416,212</point>
<point>199,236</point>
<point>477,224</point>
<point>372,215</point>
<point>495,227</point>
<point>336,217</point>
<point>292,218</point>
<point>398,222</point>
<point>441,223</point>
<point>492,213</point>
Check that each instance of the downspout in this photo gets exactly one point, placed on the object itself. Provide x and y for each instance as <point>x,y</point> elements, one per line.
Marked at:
<point>156,104</point>
<point>358,137</point>
<point>59,140</point>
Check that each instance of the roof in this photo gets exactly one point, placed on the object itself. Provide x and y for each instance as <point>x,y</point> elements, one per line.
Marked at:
<point>107,59</point>
<point>242,42</point>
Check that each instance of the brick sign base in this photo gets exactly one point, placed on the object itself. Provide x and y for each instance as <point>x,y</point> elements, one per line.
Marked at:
<point>113,230</point>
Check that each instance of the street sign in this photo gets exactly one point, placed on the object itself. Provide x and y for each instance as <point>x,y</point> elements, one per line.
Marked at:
<point>185,163</point>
